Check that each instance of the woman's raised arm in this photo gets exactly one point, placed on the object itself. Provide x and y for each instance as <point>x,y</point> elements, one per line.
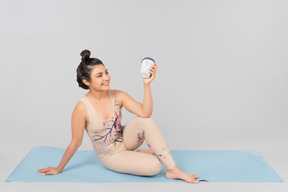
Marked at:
<point>143,110</point>
<point>78,125</point>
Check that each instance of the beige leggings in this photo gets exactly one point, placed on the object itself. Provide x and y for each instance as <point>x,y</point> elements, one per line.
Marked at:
<point>126,160</point>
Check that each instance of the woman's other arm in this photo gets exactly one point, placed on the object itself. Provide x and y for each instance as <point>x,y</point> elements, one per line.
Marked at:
<point>78,126</point>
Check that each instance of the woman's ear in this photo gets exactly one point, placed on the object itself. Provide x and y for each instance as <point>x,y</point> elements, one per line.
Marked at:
<point>86,82</point>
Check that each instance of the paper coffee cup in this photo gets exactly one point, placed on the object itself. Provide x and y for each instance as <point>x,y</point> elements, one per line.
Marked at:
<point>146,63</point>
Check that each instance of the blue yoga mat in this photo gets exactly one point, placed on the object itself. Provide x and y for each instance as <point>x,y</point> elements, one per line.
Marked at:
<point>84,167</point>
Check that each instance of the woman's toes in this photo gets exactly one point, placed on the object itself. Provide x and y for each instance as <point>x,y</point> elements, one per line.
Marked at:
<point>194,176</point>
<point>195,181</point>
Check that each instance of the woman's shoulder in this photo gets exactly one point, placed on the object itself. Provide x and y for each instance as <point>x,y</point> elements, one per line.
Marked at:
<point>119,95</point>
<point>117,92</point>
<point>80,111</point>
<point>80,106</point>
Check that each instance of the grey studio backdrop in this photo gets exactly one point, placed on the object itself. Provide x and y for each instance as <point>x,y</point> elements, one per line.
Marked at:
<point>222,81</point>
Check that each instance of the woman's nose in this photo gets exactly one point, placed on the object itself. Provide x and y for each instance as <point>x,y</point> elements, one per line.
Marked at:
<point>106,77</point>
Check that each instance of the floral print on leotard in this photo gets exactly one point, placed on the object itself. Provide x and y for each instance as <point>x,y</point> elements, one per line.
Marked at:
<point>113,130</point>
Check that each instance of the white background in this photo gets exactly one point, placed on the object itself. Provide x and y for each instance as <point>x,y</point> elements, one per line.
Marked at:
<point>222,81</point>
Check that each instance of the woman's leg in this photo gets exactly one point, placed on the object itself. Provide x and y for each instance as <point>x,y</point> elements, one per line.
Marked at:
<point>129,161</point>
<point>138,163</point>
<point>138,129</point>
<point>135,163</point>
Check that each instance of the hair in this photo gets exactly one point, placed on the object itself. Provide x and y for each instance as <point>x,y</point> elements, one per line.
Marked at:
<point>85,68</point>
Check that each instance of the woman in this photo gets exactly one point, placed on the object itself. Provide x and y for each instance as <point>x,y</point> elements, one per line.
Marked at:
<point>99,113</point>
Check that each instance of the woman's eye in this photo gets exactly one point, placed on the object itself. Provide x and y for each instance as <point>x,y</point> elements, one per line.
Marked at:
<point>99,76</point>
<point>107,72</point>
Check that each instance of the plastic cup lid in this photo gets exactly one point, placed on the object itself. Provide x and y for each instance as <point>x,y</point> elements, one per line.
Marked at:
<point>149,58</point>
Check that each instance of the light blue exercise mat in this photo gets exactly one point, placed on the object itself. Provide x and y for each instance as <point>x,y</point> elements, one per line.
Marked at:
<point>84,167</point>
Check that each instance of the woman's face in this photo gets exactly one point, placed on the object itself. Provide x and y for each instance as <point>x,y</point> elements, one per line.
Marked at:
<point>100,78</point>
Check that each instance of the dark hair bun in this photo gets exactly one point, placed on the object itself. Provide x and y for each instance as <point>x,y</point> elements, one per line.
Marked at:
<point>85,54</point>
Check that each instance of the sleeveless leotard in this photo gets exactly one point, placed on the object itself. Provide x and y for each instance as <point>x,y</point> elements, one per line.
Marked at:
<point>106,135</point>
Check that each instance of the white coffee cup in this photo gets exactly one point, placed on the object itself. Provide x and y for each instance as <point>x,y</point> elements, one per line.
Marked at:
<point>146,64</point>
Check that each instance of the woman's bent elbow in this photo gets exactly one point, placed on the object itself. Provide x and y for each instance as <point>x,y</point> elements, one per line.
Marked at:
<point>147,114</point>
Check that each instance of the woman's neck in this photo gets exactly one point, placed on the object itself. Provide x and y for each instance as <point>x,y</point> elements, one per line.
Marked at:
<point>98,95</point>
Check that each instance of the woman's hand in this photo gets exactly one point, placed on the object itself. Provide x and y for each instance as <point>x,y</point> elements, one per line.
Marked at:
<point>152,70</point>
<point>49,171</point>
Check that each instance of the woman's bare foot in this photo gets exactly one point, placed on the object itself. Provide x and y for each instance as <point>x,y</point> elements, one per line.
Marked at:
<point>145,151</point>
<point>176,173</point>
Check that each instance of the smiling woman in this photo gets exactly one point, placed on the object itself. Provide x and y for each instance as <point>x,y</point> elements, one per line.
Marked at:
<point>99,113</point>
